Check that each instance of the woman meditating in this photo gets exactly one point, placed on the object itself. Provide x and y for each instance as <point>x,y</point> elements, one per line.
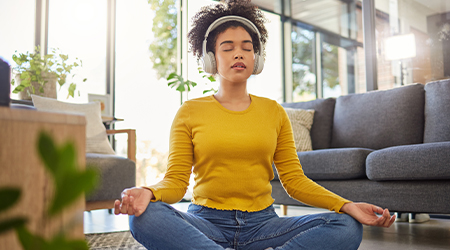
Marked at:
<point>229,141</point>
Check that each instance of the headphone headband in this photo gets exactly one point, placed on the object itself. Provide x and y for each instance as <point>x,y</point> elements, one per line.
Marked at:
<point>259,61</point>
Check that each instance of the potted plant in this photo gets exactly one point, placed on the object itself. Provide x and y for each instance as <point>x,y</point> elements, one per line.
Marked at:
<point>36,74</point>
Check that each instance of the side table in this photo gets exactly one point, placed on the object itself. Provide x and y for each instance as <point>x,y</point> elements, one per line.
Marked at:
<point>21,167</point>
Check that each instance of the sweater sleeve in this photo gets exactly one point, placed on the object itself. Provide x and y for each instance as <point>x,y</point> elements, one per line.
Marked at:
<point>294,181</point>
<point>176,180</point>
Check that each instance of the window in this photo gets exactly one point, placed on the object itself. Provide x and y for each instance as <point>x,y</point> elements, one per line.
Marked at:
<point>22,14</point>
<point>269,83</point>
<point>304,78</point>
<point>145,102</point>
<point>327,54</point>
<point>335,16</point>
<point>413,41</point>
<point>78,28</point>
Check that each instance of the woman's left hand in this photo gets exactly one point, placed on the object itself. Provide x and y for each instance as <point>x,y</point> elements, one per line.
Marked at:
<point>366,214</point>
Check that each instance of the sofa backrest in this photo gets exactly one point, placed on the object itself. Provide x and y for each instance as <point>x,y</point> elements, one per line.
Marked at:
<point>379,119</point>
<point>322,122</point>
<point>437,111</point>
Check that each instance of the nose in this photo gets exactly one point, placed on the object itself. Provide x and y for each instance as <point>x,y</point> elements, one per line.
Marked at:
<point>239,54</point>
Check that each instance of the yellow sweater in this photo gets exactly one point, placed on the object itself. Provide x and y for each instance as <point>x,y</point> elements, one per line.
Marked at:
<point>231,153</point>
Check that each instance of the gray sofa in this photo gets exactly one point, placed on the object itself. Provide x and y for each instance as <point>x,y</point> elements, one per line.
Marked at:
<point>390,148</point>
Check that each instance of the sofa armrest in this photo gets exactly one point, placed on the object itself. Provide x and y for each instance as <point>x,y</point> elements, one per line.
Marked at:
<point>131,140</point>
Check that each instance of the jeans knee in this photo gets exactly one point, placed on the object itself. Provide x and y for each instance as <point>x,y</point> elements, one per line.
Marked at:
<point>353,228</point>
<point>149,217</point>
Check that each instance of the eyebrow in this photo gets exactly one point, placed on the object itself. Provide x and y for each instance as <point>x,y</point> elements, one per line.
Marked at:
<point>245,41</point>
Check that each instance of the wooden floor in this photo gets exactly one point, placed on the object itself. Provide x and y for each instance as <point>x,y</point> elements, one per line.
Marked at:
<point>434,234</point>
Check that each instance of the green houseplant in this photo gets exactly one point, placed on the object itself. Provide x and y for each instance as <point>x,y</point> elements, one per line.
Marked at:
<point>182,85</point>
<point>38,74</point>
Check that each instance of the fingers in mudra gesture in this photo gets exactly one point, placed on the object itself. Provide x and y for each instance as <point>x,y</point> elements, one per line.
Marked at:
<point>134,201</point>
<point>367,214</point>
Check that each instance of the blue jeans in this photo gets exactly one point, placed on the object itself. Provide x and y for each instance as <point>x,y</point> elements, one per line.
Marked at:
<point>163,227</point>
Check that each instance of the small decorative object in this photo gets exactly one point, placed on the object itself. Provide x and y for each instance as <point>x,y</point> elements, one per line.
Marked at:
<point>36,74</point>
<point>104,103</point>
<point>4,83</point>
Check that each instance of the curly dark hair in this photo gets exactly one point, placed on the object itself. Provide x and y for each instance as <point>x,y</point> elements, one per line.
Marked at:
<point>208,14</point>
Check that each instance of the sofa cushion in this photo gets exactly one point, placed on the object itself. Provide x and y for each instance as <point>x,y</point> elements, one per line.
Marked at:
<point>116,174</point>
<point>427,161</point>
<point>437,108</point>
<point>301,121</point>
<point>334,164</point>
<point>96,138</point>
<point>380,119</point>
<point>322,122</point>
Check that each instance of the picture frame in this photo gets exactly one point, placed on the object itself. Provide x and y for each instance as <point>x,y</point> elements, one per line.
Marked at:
<point>104,102</point>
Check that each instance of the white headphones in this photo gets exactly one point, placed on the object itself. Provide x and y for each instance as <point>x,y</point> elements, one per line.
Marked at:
<point>208,58</point>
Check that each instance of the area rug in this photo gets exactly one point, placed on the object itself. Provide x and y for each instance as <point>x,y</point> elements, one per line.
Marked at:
<point>113,241</point>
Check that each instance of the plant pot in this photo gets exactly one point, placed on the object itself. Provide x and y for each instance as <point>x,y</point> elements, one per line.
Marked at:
<point>49,88</point>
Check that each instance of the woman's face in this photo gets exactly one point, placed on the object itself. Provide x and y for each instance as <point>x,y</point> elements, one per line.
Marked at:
<point>235,57</point>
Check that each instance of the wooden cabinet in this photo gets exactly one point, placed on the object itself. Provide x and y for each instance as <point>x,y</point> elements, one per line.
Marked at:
<point>20,166</point>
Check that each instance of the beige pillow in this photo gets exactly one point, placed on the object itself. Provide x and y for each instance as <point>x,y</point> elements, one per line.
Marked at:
<point>96,138</point>
<point>301,121</point>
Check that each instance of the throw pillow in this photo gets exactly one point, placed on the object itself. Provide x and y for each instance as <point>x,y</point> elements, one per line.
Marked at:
<point>96,138</point>
<point>301,121</point>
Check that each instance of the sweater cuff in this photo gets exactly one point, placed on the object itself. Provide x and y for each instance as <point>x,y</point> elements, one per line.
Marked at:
<point>337,207</point>
<point>156,194</point>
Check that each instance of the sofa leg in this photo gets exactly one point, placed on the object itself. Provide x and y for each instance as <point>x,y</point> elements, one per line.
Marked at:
<point>283,210</point>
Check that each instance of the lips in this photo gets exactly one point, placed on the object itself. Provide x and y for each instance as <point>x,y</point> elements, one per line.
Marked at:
<point>239,65</point>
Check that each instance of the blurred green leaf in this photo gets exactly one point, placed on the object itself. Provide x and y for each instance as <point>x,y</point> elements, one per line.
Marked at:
<point>171,76</point>
<point>18,89</point>
<point>25,83</point>
<point>9,224</point>
<point>70,182</point>
<point>211,78</point>
<point>71,187</point>
<point>8,197</point>
<point>49,153</point>
<point>72,88</point>
<point>24,75</point>
<point>30,241</point>
<point>181,88</point>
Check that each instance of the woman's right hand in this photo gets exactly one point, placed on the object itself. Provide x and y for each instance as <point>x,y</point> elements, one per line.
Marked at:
<point>134,201</point>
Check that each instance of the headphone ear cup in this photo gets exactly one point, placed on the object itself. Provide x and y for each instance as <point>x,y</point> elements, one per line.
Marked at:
<point>212,59</point>
<point>209,63</point>
<point>259,65</point>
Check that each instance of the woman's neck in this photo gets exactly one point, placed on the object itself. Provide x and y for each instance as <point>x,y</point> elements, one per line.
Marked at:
<point>232,93</point>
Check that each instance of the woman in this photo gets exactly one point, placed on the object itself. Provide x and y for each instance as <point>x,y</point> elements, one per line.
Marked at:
<point>231,140</point>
